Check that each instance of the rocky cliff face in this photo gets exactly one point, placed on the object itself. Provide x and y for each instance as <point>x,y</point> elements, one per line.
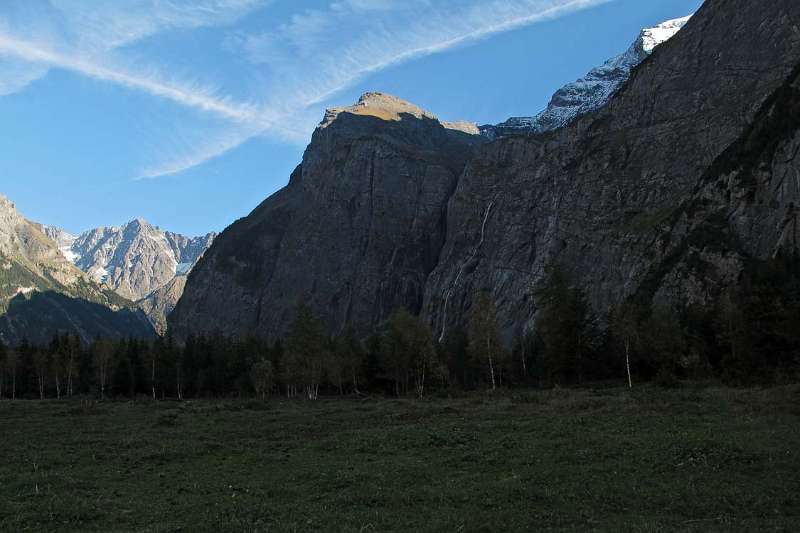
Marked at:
<point>159,304</point>
<point>138,261</point>
<point>664,192</point>
<point>599,196</point>
<point>356,232</point>
<point>42,293</point>
<point>591,92</point>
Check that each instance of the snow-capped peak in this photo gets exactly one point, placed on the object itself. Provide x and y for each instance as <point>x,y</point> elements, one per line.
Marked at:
<point>592,91</point>
<point>652,37</point>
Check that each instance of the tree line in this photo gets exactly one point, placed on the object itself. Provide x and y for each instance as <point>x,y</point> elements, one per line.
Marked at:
<point>751,335</point>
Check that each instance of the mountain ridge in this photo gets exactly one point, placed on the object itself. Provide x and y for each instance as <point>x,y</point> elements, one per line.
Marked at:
<point>136,260</point>
<point>42,293</point>
<point>593,91</point>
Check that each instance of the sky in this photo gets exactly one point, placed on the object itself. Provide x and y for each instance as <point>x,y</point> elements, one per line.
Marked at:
<point>189,113</point>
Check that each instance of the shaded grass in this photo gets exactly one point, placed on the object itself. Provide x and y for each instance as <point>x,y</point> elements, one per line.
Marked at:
<point>692,459</point>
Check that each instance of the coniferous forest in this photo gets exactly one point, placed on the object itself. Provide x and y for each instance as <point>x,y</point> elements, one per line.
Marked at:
<point>751,337</point>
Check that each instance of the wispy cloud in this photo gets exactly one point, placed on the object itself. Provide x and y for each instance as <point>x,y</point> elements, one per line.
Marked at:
<point>190,96</point>
<point>320,53</point>
<point>78,35</point>
<point>303,61</point>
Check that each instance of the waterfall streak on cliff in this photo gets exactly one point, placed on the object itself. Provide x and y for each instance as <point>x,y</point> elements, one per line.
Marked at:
<point>461,270</point>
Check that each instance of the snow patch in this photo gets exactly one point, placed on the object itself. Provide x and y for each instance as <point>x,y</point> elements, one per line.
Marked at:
<point>652,37</point>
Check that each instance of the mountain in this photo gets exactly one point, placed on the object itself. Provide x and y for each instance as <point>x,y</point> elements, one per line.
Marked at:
<point>593,91</point>
<point>43,293</point>
<point>355,232</point>
<point>615,198</point>
<point>137,260</point>
<point>134,259</point>
<point>667,194</point>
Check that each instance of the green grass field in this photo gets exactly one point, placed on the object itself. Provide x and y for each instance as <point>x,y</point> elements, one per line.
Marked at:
<point>692,459</point>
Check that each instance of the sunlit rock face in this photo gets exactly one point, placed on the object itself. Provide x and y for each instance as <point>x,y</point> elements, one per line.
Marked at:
<point>43,294</point>
<point>138,261</point>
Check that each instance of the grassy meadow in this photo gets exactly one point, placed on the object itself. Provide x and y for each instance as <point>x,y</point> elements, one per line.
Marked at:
<point>689,459</point>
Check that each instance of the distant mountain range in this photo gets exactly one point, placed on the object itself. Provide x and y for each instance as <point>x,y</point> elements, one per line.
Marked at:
<point>43,293</point>
<point>113,276</point>
<point>136,260</point>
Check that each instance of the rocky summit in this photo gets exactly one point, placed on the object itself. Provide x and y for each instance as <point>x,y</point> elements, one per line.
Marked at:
<point>592,91</point>
<point>137,260</point>
<point>356,232</point>
<point>665,192</point>
<point>42,293</point>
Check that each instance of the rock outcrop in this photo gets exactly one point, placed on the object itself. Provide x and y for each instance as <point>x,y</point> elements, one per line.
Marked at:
<point>687,172</point>
<point>356,232</point>
<point>159,304</point>
<point>598,196</point>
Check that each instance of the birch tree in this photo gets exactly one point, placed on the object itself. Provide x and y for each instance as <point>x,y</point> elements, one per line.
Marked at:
<point>3,354</point>
<point>102,356</point>
<point>72,349</point>
<point>625,325</point>
<point>151,356</point>
<point>484,340</point>
<point>411,354</point>
<point>305,351</point>
<point>40,364</point>
<point>12,365</point>
<point>57,361</point>
<point>262,376</point>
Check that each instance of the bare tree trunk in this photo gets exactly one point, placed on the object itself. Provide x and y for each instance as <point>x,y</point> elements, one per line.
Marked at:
<point>41,387</point>
<point>14,385</point>
<point>355,382</point>
<point>153,377</point>
<point>491,362</point>
<point>524,363</point>
<point>58,386</point>
<point>628,362</point>
<point>70,365</point>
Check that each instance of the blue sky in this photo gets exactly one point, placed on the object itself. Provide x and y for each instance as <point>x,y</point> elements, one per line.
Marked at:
<point>190,112</point>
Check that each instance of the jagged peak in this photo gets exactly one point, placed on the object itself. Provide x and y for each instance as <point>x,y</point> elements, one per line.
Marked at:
<point>391,108</point>
<point>140,222</point>
<point>7,204</point>
<point>650,38</point>
<point>595,89</point>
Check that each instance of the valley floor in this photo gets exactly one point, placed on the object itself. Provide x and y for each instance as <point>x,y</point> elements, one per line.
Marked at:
<point>692,459</point>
